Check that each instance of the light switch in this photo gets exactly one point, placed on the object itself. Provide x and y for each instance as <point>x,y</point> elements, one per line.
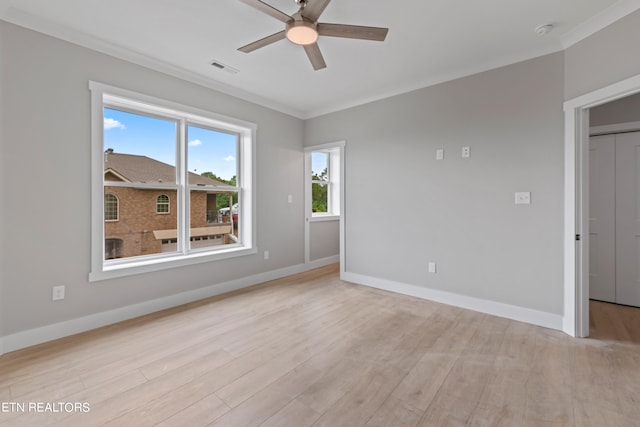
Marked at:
<point>440,154</point>
<point>289,198</point>
<point>432,267</point>
<point>523,198</point>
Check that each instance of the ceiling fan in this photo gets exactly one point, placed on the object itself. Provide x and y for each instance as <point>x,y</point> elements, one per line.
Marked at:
<point>302,28</point>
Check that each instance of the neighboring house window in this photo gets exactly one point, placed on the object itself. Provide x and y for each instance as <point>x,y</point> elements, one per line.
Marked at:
<point>324,169</point>
<point>197,160</point>
<point>110,207</point>
<point>162,204</point>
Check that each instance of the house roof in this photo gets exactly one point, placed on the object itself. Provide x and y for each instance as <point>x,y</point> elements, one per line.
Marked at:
<point>135,168</point>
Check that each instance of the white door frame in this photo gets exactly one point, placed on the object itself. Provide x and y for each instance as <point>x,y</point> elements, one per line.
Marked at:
<point>576,201</point>
<point>307,199</point>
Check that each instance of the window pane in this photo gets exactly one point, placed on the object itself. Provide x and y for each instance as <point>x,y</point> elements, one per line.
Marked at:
<point>319,197</point>
<point>139,148</point>
<point>211,155</point>
<point>214,218</point>
<point>320,166</point>
<point>139,230</point>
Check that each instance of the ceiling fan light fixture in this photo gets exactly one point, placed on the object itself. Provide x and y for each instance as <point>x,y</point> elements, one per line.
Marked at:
<point>302,33</point>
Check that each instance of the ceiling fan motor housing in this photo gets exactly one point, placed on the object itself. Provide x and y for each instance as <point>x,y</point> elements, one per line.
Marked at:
<point>302,31</point>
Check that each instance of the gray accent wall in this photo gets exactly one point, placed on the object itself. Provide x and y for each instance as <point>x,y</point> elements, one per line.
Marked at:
<point>46,195</point>
<point>604,58</point>
<point>404,208</point>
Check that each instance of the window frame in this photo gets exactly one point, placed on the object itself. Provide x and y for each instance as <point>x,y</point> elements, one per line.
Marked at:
<point>335,172</point>
<point>102,96</point>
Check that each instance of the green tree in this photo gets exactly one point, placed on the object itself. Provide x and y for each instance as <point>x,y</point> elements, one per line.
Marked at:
<point>319,191</point>
<point>222,199</point>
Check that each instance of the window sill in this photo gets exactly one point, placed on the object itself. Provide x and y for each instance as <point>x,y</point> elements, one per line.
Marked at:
<point>325,217</point>
<point>114,271</point>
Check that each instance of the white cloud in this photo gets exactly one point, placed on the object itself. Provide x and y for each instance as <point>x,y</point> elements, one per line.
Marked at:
<point>229,159</point>
<point>195,143</point>
<point>113,124</point>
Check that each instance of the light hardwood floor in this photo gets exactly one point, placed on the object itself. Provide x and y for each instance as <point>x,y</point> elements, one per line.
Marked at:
<point>312,350</point>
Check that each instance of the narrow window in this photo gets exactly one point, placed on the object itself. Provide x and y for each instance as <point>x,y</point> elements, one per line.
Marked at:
<point>324,167</point>
<point>162,204</point>
<point>320,182</point>
<point>110,207</point>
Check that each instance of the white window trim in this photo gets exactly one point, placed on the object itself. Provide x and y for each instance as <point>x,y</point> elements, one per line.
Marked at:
<point>246,180</point>
<point>335,170</point>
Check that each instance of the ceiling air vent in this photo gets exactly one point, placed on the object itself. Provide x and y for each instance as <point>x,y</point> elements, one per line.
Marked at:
<point>219,65</point>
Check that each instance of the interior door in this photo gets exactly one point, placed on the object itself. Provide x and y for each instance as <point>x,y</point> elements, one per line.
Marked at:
<point>628,218</point>
<point>602,220</point>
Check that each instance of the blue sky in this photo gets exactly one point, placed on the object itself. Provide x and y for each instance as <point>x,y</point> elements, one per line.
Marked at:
<point>318,162</point>
<point>208,150</point>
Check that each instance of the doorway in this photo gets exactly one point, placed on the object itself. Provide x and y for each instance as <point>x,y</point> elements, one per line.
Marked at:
<point>614,217</point>
<point>576,201</point>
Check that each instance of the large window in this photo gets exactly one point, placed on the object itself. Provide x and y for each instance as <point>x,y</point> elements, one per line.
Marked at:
<point>153,157</point>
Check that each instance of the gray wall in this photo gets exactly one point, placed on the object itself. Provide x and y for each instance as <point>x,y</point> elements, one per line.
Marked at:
<point>2,180</point>
<point>604,58</point>
<point>46,156</point>
<point>324,238</point>
<point>624,110</point>
<point>405,208</point>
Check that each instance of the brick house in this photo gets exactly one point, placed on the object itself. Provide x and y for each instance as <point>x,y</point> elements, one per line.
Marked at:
<point>143,221</point>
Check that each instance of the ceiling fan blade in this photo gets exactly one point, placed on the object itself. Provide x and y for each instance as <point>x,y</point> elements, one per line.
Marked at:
<point>263,42</point>
<point>315,56</point>
<point>314,9</point>
<point>352,31</point>
<point>269,10</point>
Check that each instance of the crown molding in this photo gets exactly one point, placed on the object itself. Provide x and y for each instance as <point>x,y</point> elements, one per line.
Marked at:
<point>596,23</point>
<point>32,22</point>
<point>15,16</point>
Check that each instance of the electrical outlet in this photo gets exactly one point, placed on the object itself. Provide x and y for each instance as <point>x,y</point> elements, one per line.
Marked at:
<point>466,152</point>
<point>266,254</point>
<point>440,154</point>
<point>57,293</point>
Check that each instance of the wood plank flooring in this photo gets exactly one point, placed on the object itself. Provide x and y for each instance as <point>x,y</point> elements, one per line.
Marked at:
<point>310,350</point>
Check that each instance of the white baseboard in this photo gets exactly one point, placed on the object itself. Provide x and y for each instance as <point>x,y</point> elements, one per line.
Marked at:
<point>534,317</point>
<point>43,334</point>
<point>323,262</point>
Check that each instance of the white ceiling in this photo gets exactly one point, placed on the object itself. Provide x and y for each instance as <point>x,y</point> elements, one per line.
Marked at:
<point>429,41</point>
